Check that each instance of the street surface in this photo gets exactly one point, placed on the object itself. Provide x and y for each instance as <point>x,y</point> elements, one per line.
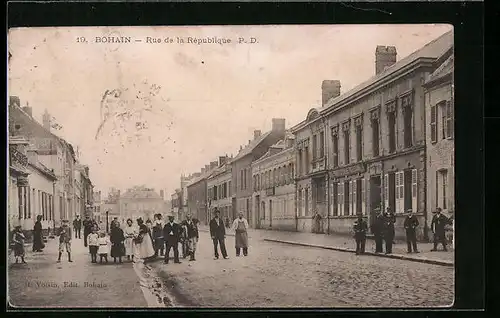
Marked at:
<point>273,275</point>
<point>278,275</point>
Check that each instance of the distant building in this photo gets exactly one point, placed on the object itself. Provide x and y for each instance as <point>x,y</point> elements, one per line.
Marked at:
<point>176,202</point>
<point>97,206</point>
<point>440,138</point>
<point>111,206</point>
<point>241,167</point>
<point>197,198</point>
<point>274,187</point>
<point>140,202</point>
<point>219,189</point>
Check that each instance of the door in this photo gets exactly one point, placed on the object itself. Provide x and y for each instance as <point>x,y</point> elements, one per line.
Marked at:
<point>375,196</point>
<point>257,212</point>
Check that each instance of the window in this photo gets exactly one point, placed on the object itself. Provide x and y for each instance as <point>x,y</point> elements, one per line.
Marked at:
<point>292,173</point>
<point>306,160</point>
<point>347,198</point>
<point>407,106</point>
<point>229,188</point>
<point>340,200</point>
<point>433,124</point>
<point>315,147</point>
<point>392,131</point>
<point>335,200</point>
<point>390,191</point>
<point>306,199</point>
<point>299,162</point>
<point>241,180</point>
<point>335,150</point>
<point>441,188</point>
<point>322,144</point>
<point>449,119</point>
<point>347,146</point>
<point>359,143</point>
<point>359,196</point>
<point>375,137</point>
<point>33,204</point>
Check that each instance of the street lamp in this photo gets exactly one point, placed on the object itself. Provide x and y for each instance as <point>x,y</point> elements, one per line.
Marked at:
<point>107,221</point>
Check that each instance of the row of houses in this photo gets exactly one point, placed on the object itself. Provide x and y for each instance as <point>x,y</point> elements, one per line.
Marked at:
<point>45,175</point>
<point>387,143</point>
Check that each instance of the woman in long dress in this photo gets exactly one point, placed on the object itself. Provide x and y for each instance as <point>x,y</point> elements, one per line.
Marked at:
<point>38,244</point>
<point>240,227</point>
<point>143,247</point>
<point>117,237</point>
<point>130,233</point>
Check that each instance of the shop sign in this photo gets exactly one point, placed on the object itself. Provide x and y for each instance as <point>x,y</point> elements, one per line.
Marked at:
<point>354,169</point>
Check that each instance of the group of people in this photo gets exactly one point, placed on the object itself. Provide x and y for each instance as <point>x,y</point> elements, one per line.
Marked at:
<point>383,231</point>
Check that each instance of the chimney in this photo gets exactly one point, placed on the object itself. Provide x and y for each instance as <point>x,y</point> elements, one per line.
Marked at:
<point>256,134</point>
<point>249,141</point>
<point>289,142</point>
<point>213,165</point>
<point>118,193</point>
<point>46,120</point>
<point>241,148</point>
<point>222,160</point>
<point>278,125</point>
<point>203,170</point>
<point>385,56</point>
<point>329,89</point>
<point>162,194</point>
<point>207,167</point>
<point>14,100</point>
<point>28,110</point>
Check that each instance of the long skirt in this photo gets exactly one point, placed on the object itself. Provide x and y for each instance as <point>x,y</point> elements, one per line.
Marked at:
<point>241,239</point>
<point>129,246</point>
<point>18,249</point>
<point>117,250</point>
<point>145,248</point>
<point>38,242</point>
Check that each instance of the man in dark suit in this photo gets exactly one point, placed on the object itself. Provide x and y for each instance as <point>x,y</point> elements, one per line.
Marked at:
<point>171,235</point>
<point>218,234</point>
<point>87,229</point>
<point>77,225</point>
<point>410,225</point>
<point>377,230</point>
<point>360,228</point>
<point>438,224</point>
<point>389,220</point>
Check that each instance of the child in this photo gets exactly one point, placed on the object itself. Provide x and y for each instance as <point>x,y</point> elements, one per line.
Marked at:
<point>103,247</point>
<point>18,240</point>
<point>65,240</point>
<point>93,241</point>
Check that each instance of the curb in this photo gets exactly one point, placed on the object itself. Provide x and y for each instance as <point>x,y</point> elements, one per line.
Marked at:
<point>393,256</point>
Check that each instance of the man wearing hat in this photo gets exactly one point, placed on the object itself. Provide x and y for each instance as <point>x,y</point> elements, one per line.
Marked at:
<point>389,220</point>
<point>77,225</point>
<point>360,228</point>
<point>65,240</point>
<point>171,235</point>
<point>218,234</point>
<point>438,224</point>
<point>377,230</point>
<point>410,224</point>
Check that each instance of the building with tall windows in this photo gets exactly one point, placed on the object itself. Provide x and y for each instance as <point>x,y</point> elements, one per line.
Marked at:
<point>219,190</point>
<point>365,149</point>
<point>440,141</point>
<point>274,187</point>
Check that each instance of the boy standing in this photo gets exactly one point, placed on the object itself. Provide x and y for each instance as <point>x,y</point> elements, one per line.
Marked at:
<point>65,240</point>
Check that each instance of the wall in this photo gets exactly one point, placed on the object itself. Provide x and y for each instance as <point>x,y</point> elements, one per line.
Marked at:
<point>440,155</point>
<point>197,201</point>
<point>40,182</point>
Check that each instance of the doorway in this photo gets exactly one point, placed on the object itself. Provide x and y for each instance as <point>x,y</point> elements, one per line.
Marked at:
<point>375,196</point>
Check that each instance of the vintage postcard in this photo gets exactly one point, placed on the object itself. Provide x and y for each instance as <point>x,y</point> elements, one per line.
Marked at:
<point>231,166</point>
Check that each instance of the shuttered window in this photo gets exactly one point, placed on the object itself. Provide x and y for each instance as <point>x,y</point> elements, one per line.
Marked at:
<point>449,120</point>
<point>433,124</point>
<point>340,199</point>
<point>414,190</point>
<point>363,198</point>
<point>386,190</point>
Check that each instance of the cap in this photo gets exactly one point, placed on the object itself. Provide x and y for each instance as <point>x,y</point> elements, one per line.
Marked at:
<point>409,211</point>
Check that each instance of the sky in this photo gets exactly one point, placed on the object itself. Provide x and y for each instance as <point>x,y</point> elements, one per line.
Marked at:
<point>144,113</point>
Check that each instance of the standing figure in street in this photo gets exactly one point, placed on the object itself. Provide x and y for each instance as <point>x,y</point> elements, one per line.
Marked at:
<point>438,224</point>
<point>18,239</point>
<point>130,233</point>
<point>117,238</point>
<point>218,234</point>
<point>103,251</point>
<point>389,220</point>
<point>183,239</point>
<point>228,224</point>
<point>143,248</point>
<point>193,236</point>
<point>360,227</point>
<point>87,229</point>
<point>410,224</point>
<point>38,244</point>
<point>171,234</point>
<point>240,227</point>
<point>93,241</point>
<point>377,230</point>
<point>65,240</point>
<point>77,226</point>
<point>159,242</point>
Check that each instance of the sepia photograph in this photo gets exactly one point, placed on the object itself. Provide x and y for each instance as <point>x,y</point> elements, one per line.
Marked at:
<point>231,166</point>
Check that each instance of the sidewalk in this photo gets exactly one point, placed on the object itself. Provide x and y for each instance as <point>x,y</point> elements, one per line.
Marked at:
<point>45,283</point>
<point>346,244</point>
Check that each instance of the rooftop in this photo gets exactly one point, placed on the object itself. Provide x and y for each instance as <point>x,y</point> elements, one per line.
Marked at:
<point>251,146</point>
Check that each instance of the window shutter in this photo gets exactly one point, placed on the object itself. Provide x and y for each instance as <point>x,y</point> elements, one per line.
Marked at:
<point>386,191</point>
<point>363,201</point>
<point>396,208</point>
<point>354,197</point>
<point>433,123</point>
<point>449,119</point>
<point>414,189</point>
<point>350,197</point>
<point>340,198</point>
<point>402,192</point>
<point>303,202</point>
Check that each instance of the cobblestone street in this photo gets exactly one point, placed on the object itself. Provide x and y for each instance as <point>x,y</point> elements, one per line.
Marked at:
<point>278,275</point>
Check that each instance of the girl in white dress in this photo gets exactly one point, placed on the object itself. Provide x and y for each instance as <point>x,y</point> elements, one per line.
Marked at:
<point>130,233</point>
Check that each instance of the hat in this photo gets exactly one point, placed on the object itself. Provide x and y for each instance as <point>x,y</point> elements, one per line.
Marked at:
<point>409,211</point>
